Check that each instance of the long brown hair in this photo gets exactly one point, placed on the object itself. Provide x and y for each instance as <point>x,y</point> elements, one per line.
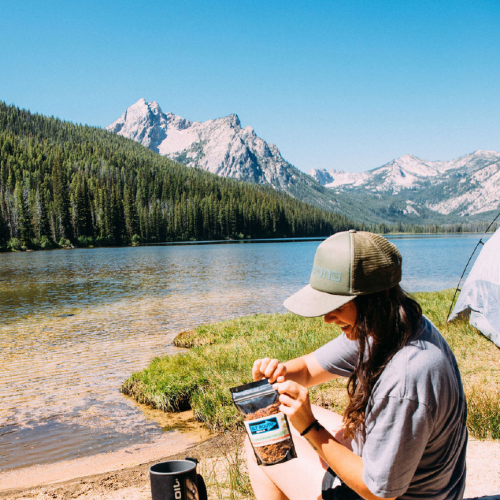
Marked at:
<point>389,318</point>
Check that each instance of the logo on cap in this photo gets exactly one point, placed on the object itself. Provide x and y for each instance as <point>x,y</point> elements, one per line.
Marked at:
<point>326,274</point>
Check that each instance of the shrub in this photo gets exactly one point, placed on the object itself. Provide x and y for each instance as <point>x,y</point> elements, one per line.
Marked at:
<point>85,241</point>
<point>65,243</point>
<point>14,244</point>
<point>46,243</point>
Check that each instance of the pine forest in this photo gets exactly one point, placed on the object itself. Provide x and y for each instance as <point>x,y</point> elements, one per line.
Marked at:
<point>64,185</point>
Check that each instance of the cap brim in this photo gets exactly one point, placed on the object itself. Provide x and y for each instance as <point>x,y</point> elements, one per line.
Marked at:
<point>310,303</point>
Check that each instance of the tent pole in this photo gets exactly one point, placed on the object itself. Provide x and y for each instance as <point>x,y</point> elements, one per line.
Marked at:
<point>480,242</point>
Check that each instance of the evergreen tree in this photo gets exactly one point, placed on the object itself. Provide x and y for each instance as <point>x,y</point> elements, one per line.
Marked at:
<point>25,226</point>
<point>4,231</point>
<point>130,212</point>
<point>41,222</point>
<point>60,205</point>
<point>119,231</point>
<point>83,220</point>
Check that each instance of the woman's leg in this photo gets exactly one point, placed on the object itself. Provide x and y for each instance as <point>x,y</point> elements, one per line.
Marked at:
<point>333,423</point>
<point>299,478</point>
<point>263,487</point>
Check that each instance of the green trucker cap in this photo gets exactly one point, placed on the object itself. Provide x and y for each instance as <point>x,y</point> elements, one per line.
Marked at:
<point>347,264</point>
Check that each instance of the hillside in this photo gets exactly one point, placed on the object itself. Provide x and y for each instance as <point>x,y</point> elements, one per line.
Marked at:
<point>63,184</point>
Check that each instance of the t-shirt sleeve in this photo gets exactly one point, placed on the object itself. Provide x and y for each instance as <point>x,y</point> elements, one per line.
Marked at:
<point>338,356</point>
<point>397,432</point>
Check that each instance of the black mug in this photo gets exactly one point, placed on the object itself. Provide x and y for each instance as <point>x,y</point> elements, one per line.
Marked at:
<point>177,480</point>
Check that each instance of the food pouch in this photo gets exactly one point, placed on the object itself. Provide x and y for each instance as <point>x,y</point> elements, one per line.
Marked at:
<point>266,426</point>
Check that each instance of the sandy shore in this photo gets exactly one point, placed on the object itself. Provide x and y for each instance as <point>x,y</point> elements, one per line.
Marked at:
<point>124,475</point>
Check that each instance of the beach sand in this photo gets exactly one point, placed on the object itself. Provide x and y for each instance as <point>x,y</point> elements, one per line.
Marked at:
<point>124,475</point>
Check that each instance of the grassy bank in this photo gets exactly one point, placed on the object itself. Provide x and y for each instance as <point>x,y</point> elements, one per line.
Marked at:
<point>221,356</point>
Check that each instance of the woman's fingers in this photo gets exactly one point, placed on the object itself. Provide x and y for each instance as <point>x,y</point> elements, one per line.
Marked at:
<point>291,388</point>
<point>294,399</point>
<point>258,368</point>
<point>292,394</point>
<point>278,372</point>
<point>288,401</point>
<point>268,368</point>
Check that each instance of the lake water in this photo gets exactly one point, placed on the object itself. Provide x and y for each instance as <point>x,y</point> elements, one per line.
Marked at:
<point>76,324</point>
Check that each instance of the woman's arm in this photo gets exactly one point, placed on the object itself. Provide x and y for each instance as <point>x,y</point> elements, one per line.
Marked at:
<point>305,370</point>
<point>348,466</point>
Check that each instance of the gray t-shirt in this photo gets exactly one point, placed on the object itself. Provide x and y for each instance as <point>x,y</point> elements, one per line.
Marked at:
<point>415,436</point>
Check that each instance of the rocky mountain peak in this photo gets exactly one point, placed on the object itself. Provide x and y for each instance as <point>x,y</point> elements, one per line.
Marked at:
<point>143,122</point>
<point>233,120</point>
<point>220,146</point>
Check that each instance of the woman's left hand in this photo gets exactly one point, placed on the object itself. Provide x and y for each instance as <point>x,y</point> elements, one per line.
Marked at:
<point>295,404</point>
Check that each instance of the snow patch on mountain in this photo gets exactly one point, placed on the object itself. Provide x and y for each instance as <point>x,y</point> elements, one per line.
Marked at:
<point>410,209</point>
<point>334,178</point>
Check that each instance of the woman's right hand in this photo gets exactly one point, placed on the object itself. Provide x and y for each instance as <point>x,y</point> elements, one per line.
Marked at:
<point>269,368</point>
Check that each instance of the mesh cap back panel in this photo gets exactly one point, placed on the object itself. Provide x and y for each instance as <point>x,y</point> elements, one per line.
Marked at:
<point>377,264</point>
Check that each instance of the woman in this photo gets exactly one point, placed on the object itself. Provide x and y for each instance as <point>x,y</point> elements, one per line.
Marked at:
<point>403,434</point>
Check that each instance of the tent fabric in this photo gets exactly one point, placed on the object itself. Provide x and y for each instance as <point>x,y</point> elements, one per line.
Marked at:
<point>480,295</point>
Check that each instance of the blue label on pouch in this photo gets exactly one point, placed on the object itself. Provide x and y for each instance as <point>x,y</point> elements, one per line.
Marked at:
<point>267,430</point>
<point>270,424</point>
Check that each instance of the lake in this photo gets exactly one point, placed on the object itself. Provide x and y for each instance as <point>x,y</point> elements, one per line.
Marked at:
<point>77,323</point>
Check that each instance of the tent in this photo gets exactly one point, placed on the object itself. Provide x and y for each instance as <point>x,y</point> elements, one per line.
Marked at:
<point>480,295</point>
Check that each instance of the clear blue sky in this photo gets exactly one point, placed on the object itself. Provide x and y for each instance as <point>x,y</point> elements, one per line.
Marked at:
<point>334,84</point>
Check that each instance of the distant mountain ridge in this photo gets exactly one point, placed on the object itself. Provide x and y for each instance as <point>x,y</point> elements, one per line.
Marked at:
<point>406,189</point>
<point>465,186</point>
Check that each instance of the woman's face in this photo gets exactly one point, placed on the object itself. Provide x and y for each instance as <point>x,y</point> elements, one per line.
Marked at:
<point>345,317</point>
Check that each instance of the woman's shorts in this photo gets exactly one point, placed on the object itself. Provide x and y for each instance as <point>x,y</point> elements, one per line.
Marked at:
<point>333,488</point>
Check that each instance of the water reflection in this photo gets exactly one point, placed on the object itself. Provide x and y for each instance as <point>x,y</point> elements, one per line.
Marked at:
<point>77,323</point>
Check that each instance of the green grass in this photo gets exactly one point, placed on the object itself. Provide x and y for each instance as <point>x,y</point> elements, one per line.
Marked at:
<point>221,356</point>
<point>201,377</point>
